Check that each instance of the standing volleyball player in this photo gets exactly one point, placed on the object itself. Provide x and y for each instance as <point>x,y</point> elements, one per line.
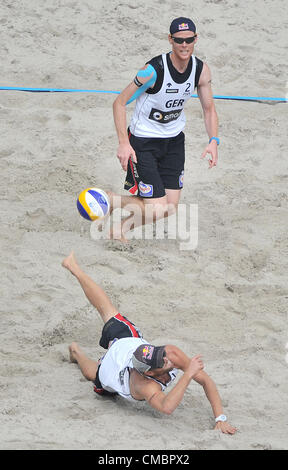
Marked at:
<point>152,151</point>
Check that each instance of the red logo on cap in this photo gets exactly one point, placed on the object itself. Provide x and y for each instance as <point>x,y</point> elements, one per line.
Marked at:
<point>183,26</point>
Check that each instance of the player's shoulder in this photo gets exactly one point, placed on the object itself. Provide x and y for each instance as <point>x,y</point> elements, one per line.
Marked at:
<point>202,71</point>
<point>199,68</point>
<point>199,61</point>
<point>156,62</point>
<point>157,65</point>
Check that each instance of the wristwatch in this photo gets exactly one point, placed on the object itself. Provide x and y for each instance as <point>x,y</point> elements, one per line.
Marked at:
<point>222,418</point>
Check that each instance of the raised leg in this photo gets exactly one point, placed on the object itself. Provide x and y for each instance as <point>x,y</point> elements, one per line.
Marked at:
<point>94,293</point>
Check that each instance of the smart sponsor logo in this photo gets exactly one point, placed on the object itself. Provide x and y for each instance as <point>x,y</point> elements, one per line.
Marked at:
<point>164,116</point>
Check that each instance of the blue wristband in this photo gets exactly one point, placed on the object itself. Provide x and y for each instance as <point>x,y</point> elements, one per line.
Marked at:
<point>215,138</point>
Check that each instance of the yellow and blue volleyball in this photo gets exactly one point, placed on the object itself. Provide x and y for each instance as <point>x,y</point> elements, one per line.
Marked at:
<point>93,203</point>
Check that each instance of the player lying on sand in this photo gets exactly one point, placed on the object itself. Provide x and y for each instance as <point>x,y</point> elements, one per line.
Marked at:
<point>132,367</point>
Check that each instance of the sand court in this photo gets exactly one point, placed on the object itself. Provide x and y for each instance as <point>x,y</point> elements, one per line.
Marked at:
<point>225,299</point>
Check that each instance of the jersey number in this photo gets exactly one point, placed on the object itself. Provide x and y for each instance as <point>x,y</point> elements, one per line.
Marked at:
<point>188,88</point>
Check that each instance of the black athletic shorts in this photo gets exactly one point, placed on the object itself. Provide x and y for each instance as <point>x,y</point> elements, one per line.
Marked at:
<point>160,165</point>
<point>117,327</point>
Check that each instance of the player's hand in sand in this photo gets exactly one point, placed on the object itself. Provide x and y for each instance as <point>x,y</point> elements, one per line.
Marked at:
<point>225,427</point>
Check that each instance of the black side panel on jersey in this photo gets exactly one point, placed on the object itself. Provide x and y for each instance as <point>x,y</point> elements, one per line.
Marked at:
<point>199,67</point>
<point>157,63</point>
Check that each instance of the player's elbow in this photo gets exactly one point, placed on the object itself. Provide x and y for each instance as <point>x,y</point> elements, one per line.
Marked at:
<point>115,105</point>
<point>167,410</point>
<point>163,403</point>
<point>118,103</point>
<point>210,111</point>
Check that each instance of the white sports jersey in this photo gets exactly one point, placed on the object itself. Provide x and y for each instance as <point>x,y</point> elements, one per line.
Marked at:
<point>114,372</point>
<point>161,114</point>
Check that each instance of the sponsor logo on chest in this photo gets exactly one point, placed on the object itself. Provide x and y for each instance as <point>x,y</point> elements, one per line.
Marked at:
<point>164,116</point>
<point>171,114</point>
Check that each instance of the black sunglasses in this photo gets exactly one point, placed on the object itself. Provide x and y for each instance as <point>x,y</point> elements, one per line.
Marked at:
<point>187,40</point>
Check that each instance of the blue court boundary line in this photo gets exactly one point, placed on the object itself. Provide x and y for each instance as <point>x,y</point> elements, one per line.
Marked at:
<point>75,90</point>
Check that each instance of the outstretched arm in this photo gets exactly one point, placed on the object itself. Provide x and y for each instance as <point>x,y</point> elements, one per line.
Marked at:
<point>213,396</point>
<point>181,361</point>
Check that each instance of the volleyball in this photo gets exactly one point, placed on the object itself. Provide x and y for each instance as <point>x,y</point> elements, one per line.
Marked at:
<point>93,203</point>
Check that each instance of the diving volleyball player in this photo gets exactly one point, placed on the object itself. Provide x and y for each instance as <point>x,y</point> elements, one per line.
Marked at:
<point>132,367</point>
<point>152,151</point>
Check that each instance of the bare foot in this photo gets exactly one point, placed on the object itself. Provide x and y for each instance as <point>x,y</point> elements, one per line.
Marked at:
<point>70,263</point>
<point>74,352</point>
